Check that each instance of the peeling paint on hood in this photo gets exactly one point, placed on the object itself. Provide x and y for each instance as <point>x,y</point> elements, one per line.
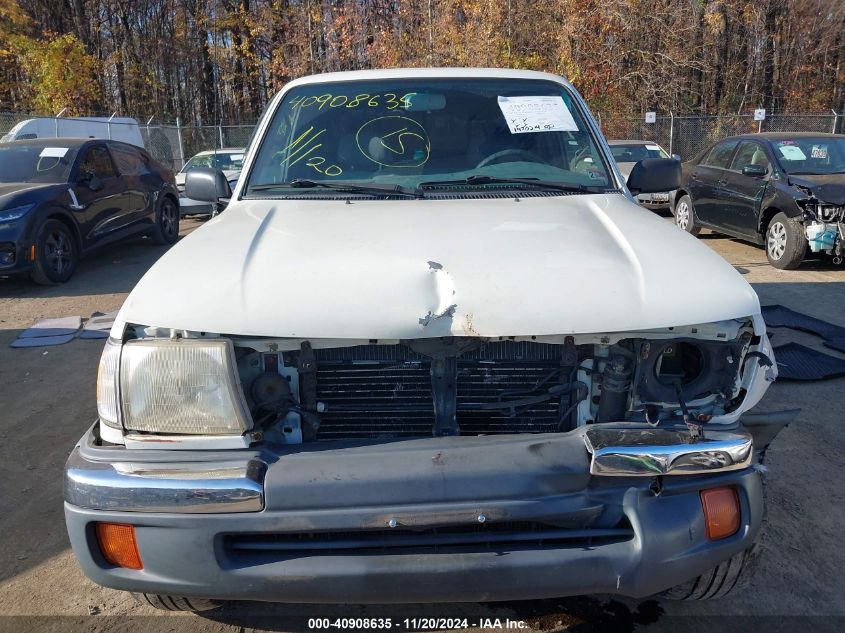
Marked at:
<point>427,268</point>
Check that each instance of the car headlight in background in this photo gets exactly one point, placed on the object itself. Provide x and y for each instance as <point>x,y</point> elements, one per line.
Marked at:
<point>181,386</point>
<point>15,213</point>
<point>830,213</point>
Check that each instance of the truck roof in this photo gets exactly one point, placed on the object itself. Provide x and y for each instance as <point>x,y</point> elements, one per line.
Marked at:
<point>427,73</point>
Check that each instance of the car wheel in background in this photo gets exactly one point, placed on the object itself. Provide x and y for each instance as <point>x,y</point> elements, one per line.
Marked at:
<point>56,253</point>
<point>175,603</point>
<point>684,216</point>
<point>167,222</point>
<point>786,244</point>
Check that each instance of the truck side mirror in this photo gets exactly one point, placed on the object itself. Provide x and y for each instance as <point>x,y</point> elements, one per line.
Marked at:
<point>207,185</point>
<point>654,175</point>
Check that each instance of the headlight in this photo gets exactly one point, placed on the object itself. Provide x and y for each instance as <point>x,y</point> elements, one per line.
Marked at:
<point>15,213</point>
<point>830,213</point>
<point>107,385</point>
<point>185,387</point>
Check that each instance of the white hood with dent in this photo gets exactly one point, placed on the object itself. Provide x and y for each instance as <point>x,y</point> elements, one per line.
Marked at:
<point>422,268</point>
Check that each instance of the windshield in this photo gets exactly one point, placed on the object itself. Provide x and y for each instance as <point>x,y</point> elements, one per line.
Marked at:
<point>407,132</point>
<point>35,163</point>
<point>225,161</point>
<point>823,155</point>
<point>636,152</point>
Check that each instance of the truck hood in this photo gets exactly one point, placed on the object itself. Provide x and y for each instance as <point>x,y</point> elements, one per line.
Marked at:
<point>427,268</point>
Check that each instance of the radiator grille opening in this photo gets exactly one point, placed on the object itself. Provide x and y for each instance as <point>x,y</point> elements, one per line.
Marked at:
<point>384,391</point>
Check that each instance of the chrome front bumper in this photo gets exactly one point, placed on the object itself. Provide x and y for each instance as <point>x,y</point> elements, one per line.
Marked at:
<point>149,487</point>
<point>638,452</point>
<point>195,482</point>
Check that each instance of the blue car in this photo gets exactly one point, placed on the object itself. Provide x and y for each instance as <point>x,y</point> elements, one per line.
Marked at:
<point>61,198</point>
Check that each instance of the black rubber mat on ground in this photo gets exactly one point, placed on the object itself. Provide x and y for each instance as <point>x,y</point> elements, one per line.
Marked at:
<point>797,362</point>
<point>780,316</point>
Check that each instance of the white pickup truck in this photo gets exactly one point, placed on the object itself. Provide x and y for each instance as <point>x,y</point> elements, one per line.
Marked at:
<point>430,353</point>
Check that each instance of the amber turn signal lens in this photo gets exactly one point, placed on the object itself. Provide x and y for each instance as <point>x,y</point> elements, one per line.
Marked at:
<point>721,512</point>
<point>117,543</point>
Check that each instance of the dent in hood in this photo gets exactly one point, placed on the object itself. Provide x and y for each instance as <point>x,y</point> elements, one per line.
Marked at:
<point>416,269</point>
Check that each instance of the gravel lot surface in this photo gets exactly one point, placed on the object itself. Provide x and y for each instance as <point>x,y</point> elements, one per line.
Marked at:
<point>47,402</point>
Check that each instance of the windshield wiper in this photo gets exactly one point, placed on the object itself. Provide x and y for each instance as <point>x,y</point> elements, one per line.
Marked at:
<point>301,183</point>
<point>479,179</point>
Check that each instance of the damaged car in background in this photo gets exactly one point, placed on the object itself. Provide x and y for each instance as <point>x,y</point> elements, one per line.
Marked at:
<point>431,355</point>
<point>783,190</point>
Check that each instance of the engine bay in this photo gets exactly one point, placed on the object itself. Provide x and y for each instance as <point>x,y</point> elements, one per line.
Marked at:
<point>305,391</point>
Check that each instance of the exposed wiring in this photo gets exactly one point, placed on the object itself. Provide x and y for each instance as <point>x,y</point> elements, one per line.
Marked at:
<point>695,429</point>
<point>550,393</point>
<point>278,412</point>
<point>572,407</point>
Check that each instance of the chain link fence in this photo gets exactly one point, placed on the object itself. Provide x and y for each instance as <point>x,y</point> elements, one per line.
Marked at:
<point>687,135</point>
<point>172,143</point>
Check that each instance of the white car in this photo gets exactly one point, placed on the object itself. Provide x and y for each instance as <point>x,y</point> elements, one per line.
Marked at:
<point>228,160</point>
<point>429,354</point>
<point>113,128</point>
<point>629,153</point>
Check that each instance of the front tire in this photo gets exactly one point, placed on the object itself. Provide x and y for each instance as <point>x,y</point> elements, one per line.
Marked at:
<point>176,603</point>
<point>167,222</point>
<point>685,216</point>
<point>719,581</point>
<point>786,244</point>
<point>56,254</point>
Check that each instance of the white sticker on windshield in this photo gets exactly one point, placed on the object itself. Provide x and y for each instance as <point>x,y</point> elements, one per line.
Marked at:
<point>237,157</point>
<point>819,151</point>
<point>54,152</point>
<point>792,152</point>
<point>537,114</point>
<point>653,148</point>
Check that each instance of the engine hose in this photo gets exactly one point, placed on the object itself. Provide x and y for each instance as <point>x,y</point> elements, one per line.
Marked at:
<point>764,360</point>
<point>615,386</point>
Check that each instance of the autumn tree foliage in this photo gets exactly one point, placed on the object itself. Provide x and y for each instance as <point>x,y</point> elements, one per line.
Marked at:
<point>209,60</point>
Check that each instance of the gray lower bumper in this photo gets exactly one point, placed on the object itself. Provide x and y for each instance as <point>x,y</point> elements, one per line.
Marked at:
<point>420,485</point>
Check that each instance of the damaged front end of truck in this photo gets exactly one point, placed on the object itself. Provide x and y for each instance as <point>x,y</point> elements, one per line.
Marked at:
<point>606,453</point>
<point>293,391</point>
<point>442,377</point>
